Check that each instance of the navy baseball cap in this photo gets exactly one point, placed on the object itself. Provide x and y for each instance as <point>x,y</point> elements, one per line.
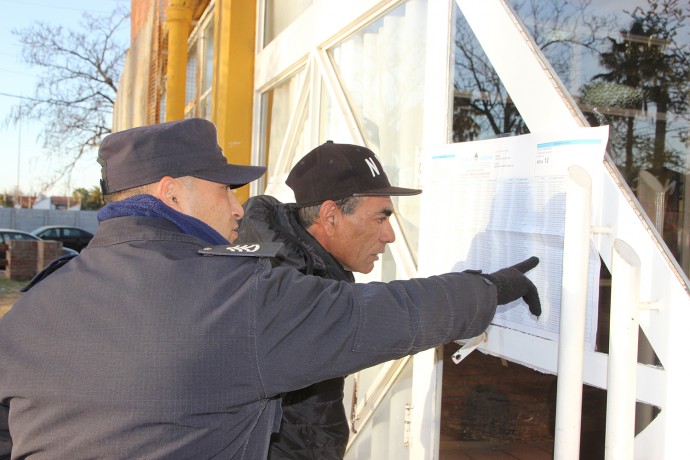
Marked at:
<point>188,147</point>
<point>335,171</point>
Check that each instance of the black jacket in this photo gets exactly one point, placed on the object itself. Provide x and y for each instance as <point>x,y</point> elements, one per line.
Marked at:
<point>314,424</point>
<point>143,347</point>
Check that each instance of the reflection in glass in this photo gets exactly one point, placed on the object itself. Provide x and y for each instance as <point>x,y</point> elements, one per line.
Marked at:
<point>627,64</point>
<point>482,108</point>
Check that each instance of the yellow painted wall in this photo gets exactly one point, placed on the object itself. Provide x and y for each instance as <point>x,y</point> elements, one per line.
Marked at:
<point>179,20</point>
<point>233,80</point>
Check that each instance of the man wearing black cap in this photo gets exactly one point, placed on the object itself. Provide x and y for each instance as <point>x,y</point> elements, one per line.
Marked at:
<point>163,340</point>
<point>339,224</point>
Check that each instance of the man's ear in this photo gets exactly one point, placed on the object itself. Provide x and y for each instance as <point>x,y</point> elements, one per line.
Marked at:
<point>166,190</point>
<point>328,216</point>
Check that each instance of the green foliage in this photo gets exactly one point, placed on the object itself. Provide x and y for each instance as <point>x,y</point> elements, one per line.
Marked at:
<point>9,293</point>
<point>6,200</point>
<point>91,200</point>
<point>646,70</point>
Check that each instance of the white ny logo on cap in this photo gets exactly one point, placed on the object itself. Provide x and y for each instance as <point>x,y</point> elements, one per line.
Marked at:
<point>372,167</point>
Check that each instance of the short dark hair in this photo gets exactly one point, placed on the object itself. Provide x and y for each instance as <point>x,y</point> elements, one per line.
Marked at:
<point>127,193</point>
<point>308,215</point>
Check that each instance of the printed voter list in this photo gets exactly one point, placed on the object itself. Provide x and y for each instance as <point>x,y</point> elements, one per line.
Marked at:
<point>503,200</point>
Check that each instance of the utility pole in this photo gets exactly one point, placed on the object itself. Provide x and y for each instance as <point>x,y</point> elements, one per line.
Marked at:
<point>19,164</point>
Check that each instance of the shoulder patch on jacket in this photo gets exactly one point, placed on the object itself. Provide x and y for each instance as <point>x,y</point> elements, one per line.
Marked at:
<point>243,250</point>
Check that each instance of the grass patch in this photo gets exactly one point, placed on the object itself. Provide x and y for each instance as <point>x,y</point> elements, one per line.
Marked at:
<point>9,293</point>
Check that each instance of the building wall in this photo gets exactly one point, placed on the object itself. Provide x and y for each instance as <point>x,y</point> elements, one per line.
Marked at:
<point>141,10</point>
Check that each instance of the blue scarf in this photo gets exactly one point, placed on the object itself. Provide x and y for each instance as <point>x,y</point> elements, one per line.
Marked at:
<point>150,206</point>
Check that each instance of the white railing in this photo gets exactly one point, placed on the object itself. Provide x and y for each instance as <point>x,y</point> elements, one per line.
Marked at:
<point>576,252</point>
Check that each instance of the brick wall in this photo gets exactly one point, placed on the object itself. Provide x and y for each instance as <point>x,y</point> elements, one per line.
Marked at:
<point>47,252</point>
<point>25,258</point>
<point>139,15</point>
<point>21,259</point>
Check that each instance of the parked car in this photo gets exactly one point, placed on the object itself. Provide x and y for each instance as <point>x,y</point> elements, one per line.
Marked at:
<point>7,234</point>
<point>71,237</point>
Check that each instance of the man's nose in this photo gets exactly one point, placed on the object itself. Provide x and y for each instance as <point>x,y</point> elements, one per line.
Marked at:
<point>387,233</point>
<point>237,210</point>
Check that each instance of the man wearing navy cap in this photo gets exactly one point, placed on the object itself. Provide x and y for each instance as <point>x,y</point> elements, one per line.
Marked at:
<point>339,224</point>
<point>164,340</point>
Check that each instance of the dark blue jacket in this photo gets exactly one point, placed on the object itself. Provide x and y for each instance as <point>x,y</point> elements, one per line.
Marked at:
<point>143,348</point>
<point>314,425</point>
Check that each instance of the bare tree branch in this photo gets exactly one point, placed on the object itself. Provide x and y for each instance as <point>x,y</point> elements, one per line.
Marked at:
<point>75,92</point>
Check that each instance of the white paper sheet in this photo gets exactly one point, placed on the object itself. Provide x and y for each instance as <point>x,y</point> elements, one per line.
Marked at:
<point>493,203</point>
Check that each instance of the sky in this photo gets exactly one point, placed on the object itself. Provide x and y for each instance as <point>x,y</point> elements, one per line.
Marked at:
<point>22,160</point>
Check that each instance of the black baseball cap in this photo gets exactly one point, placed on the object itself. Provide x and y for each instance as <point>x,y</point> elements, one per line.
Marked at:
<point>188,147</point>
<point>335,171</point>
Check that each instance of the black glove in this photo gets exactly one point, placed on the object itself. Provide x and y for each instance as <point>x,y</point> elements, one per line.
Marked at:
<point>511,284</point>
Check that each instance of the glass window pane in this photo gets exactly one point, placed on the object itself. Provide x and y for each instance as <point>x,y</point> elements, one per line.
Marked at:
<point>382,71</point>
<point>280,14</point>
<point>207,74</point>
<point>332,124</point>
<point>192,62</point>
<point>482,108</point>
<point>162,103</point>
<point>204,109</point>
<point>279,105</point>
<point>626,64</point>
<point>384,434</point>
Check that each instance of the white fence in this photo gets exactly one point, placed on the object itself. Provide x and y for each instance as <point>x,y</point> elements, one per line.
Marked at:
<point>29,219</point>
